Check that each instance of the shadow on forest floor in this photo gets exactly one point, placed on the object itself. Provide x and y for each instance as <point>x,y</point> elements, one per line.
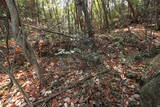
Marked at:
<point>124,54</point>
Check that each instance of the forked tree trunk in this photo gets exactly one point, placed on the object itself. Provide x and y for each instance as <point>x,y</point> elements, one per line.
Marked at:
<point>21,38</point>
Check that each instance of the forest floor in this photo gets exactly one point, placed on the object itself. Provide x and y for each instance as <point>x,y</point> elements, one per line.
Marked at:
<point>123,54</point>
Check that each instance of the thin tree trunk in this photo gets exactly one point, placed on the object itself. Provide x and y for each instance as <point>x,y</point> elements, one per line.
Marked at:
<point>49,10</point>
<point>87,19</point>
<point>105,14</point>
<point>74,25</point>
<point>44,12</point>
<point>83,5</point>
<point>69,23</point>
<point>100,14</point>
<point>21,38</point>
<point>133,11</point>
<point>37,12</point>
<point>56,14</point>
<point>79,18</point>
<point>157,15</point>
<point>68,16</point>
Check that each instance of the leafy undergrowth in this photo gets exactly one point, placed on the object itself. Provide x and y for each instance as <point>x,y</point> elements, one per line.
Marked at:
<point>123,54</point>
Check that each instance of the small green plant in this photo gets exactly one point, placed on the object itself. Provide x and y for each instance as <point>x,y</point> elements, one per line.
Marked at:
<point>133,102</point>
<point>116,94</point>
<point>63,52</point>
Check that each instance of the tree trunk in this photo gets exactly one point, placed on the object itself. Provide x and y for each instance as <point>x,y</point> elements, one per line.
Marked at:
<point>83,5</point>
<point>99,10</point>
<point>21,38</point>
<point>38,12</point>
<point>69,23</point>
<point>135,18</point>
<point>87,19</point>
<point>49,10</point>
<point>105,14</point>
<point>146,4</point>
<point>79,18</point>
<point>44,12</point>
<point>157,15</point>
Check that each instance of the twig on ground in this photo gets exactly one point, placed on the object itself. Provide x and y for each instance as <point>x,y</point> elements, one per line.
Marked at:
<point>69,87</point>
<point>48,31</point>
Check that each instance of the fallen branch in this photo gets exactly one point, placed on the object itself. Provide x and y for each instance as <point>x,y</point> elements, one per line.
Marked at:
<point>67,88</point>
<point>9,72</point>
<point>48,31</point>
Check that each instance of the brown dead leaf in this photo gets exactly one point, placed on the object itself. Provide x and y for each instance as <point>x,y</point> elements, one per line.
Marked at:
<point>11,105</point>
<point>54,103</point>
<point>74,100</point>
